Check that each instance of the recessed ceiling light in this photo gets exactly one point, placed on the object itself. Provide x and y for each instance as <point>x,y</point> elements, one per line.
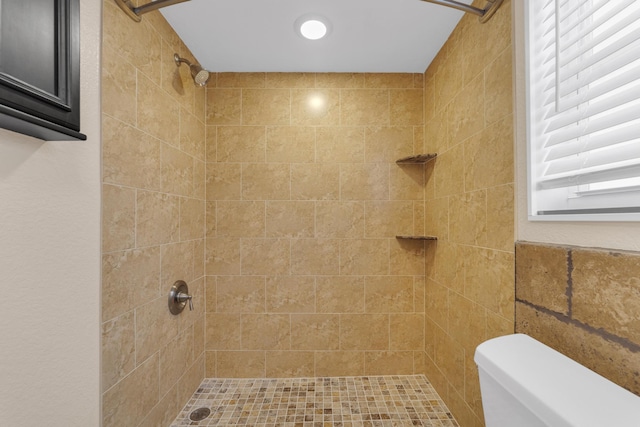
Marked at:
<point>312,27</point>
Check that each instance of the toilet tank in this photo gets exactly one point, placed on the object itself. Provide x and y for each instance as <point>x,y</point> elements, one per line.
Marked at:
<point>524,383</point>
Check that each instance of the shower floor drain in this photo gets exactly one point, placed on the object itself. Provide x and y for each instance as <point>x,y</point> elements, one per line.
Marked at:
<point>199,414</point>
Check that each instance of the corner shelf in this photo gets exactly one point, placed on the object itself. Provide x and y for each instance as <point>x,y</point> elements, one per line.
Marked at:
<point>417,237</point>
<point>417,159</point>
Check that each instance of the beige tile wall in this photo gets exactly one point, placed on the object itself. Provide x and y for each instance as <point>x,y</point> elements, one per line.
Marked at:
<point>153,222</point>
<point>584,302</point>
<point>469,206</point>
<point>304,275</point>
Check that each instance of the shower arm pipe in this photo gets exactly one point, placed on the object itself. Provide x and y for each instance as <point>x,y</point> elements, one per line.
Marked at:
<point>136,12</point>
<point>483,14</point>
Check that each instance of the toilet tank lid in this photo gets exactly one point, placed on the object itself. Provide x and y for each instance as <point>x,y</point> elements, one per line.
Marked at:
<point>560,390</point>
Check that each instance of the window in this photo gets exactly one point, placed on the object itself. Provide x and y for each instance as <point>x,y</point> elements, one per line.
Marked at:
<point>583,99</point>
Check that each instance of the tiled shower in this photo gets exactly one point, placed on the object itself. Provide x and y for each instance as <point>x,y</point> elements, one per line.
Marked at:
<point>282,216</point>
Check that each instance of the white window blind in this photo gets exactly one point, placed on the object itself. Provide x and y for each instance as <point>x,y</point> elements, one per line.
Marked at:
<point>584,109</point>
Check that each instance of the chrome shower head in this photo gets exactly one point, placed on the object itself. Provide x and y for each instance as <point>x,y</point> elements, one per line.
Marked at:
<point>200,75</point>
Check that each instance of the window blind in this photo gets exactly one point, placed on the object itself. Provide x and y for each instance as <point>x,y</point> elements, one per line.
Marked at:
<point>584,107</point>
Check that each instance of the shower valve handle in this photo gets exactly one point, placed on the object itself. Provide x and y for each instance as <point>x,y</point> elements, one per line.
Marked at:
<point>182,297</point>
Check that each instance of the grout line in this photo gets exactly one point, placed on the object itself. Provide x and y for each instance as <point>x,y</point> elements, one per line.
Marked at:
<point>569,291</point>
<point>607,336</point>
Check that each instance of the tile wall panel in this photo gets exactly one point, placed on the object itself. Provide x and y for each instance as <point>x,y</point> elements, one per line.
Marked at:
<point>153,221</point>
<point>469,206</point>
<point>583,302</point>
<point>304,199</point>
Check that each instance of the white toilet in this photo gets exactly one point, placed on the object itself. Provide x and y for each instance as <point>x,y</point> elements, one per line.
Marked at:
<point>524,383</point>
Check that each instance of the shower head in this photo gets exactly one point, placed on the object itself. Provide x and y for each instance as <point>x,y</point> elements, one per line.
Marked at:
<point>200,75</point>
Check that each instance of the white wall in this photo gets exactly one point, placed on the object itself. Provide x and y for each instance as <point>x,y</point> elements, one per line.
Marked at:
<point>50,264</point>
<point>621,235</point>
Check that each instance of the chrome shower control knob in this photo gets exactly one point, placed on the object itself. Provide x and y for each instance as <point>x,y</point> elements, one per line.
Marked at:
<point>182,297</point>
<point>178,297</point>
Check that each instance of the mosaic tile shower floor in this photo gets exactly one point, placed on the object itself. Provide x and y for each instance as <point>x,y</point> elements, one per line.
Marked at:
<point>319,402</point>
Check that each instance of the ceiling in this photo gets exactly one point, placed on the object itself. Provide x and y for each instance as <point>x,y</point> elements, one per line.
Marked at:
<point>385,36</point>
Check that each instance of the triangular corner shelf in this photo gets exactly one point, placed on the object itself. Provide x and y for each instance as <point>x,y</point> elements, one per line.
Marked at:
<point>417,237</point>
<point>417,159</point>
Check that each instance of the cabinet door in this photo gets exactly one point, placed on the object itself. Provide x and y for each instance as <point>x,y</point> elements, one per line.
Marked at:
<point>40,68</point>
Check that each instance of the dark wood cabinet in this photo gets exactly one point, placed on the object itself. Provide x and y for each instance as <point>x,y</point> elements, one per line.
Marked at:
<point>40,68</point>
